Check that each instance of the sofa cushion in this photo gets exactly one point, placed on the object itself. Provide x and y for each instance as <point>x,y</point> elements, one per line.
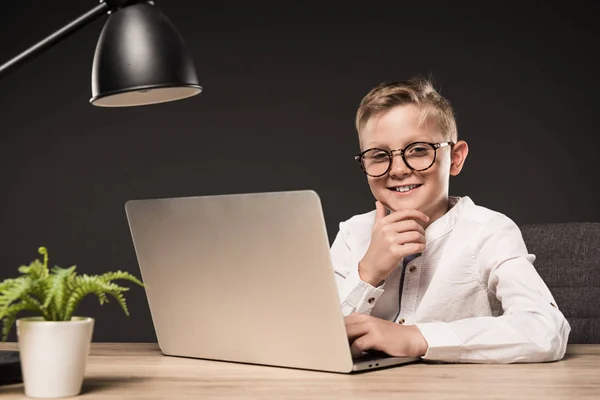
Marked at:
<point>568,260</point>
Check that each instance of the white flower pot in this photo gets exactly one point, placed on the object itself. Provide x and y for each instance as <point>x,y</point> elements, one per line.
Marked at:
<point>53,355</point>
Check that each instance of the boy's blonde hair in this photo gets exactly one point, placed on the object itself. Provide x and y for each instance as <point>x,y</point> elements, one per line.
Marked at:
<point>418,91</point>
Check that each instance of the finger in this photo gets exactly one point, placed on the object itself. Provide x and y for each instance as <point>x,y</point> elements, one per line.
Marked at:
<point>380,211</point>
<point>406,214</point>
<point>357,330</point>
<point>355,351</point>
<point>354,320</point>
<point>409,237</point>
<point>409,225</point>
<point>404,250</point>
<point>361,344</point>
<point>356,317</point>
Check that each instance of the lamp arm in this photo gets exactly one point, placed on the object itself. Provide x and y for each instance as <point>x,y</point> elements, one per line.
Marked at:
<point>54,38</point>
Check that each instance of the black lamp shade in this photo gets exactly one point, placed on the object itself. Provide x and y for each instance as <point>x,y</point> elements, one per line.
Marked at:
<point>141,59</point>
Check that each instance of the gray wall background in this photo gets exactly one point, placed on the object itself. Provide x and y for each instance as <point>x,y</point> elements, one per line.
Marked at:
<point>281,86</point>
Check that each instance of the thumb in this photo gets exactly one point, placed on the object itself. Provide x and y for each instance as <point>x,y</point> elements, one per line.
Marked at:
<point>380,211</point>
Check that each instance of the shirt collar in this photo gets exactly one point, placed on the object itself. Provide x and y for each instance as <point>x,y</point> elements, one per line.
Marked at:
<point>446,222</point>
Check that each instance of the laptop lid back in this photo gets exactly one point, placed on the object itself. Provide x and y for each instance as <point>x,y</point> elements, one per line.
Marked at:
<point>242,277</point>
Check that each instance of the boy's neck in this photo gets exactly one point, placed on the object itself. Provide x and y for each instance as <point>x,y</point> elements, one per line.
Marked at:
<point>440,210</point>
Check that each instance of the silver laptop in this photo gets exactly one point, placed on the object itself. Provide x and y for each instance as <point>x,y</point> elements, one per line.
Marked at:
<point>244,278</point>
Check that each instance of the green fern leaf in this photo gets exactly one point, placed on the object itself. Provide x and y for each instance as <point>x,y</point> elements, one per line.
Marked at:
<point>69,286</point>
<point>102,298</point>
<point>10,316</point>
<point>84,285</point>
<point>35,270</point>
<point>34,304</point>
<point>120,275</point>
<point>38,289</point>
<point>7,283</point>
<point>16,289</point>
<point>55,290</point>
<point>120,298</point>
<point>56,294</point>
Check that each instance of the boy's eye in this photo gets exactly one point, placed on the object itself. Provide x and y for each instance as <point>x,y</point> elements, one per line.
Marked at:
<point>418,150</point>
<point>376,155</point>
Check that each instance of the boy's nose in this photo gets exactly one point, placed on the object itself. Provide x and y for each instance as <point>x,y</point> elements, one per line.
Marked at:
<point>399,167</point>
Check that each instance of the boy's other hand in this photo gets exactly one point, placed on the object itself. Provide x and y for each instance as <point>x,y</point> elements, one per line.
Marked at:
<point>366,332</point>
<point>394,237</point>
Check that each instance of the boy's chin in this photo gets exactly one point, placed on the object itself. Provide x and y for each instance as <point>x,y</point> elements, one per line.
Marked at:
<point>405,204</point>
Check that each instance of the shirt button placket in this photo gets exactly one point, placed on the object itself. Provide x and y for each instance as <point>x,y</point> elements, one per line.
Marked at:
<point>411,288</point>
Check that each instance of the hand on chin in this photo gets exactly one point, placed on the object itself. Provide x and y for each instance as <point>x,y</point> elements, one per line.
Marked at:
<point>403,204</point>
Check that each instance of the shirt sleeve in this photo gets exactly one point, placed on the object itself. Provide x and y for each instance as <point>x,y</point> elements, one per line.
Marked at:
<point>355,294</point>
<point>531,327</point>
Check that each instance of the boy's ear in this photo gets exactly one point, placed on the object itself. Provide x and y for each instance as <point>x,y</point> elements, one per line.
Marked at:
<point>459,155</point>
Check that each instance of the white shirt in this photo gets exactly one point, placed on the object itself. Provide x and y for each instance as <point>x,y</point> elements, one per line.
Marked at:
<point>473,293</point>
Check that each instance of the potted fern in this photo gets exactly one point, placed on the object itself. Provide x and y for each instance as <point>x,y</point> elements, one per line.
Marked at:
<point>55,342</point>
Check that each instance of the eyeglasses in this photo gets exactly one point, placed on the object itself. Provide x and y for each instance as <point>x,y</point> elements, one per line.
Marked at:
<point>417,156</point>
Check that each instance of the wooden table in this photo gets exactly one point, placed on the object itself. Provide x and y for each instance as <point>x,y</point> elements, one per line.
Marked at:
<point>139,371</point>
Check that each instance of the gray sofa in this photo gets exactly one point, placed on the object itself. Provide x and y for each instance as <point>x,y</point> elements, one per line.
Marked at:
<point>568,259</point>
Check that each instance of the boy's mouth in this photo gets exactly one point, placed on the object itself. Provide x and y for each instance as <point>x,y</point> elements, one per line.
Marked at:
<point>405,189</point>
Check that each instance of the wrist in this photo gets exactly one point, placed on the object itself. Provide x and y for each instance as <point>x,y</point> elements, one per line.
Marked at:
<point>421,345</point>
<point>367,276</point>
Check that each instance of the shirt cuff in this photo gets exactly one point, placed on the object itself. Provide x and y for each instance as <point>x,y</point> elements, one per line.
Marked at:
<point>357,295</point>
<point>443,343</point>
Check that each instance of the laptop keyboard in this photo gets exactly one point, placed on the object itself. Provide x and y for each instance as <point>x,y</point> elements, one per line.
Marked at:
<point>371,355</point>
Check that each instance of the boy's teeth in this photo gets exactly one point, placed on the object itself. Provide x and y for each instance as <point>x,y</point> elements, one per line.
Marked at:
<point>405,188</point>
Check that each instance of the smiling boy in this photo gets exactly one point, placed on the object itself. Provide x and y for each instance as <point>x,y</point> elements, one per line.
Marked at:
<point>428,274</point>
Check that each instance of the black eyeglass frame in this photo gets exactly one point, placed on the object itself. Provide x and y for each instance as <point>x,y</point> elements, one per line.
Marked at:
<point>390,153</point>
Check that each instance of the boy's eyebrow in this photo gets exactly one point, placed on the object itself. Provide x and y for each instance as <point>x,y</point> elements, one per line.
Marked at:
<point>405,143</point>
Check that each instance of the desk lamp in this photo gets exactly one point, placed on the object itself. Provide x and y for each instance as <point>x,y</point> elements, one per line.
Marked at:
<point>140,59</point>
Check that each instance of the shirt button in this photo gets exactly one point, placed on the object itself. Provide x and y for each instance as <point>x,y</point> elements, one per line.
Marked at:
<point>412,268</point>
<point>401,321</point>
<point>371,300</point>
